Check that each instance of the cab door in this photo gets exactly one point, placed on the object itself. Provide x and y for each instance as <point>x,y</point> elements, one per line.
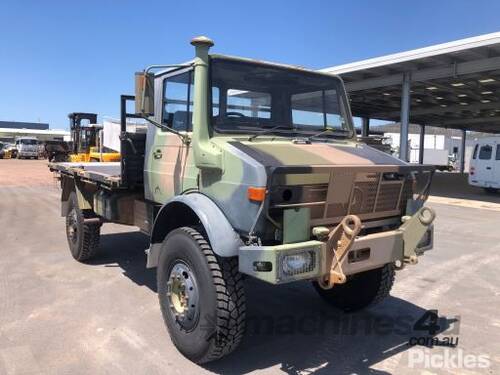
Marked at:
<point>166,154</point>
<point>496,169</point>
<point>485,164</point>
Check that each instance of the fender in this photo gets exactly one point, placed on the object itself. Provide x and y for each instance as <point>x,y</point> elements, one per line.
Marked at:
<point>190,209</point>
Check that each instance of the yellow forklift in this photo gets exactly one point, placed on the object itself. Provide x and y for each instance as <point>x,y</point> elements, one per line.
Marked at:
<point>86,139</point>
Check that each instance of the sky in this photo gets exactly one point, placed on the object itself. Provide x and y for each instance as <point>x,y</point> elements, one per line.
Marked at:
<point>58,57</point>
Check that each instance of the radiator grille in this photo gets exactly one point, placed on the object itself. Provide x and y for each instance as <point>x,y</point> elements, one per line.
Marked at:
<point>366,194</point>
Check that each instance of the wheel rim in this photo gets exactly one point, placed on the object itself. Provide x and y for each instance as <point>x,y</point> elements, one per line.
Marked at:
<point>182,293</point>
<point>72,226</point>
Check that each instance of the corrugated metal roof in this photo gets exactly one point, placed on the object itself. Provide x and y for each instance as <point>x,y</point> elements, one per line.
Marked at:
<point>453,85</point>
<point>419,53</point>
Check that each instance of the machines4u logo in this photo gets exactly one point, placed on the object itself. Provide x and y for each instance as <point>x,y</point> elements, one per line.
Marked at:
<point>430,324</point>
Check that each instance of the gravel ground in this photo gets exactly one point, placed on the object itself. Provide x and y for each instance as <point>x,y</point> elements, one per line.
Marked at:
<point>58,316</point>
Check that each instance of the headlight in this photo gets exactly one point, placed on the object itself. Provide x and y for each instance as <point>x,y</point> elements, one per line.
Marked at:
<point>293,264</point>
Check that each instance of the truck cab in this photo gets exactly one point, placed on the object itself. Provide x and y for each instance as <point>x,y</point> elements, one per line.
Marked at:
<point>27,147</point>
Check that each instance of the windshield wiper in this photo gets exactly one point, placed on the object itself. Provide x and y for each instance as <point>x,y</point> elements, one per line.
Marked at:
<point>328,130</point>
<point>270,130</point>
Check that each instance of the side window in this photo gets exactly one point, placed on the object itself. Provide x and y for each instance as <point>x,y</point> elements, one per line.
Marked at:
<point>474,155</point>
<point>215,101</point>
<point>498,153</point>
<point>485,152</point>
<point>177,104</point>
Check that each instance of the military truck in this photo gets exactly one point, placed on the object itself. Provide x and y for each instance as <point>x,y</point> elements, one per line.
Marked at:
<point>249,168</point>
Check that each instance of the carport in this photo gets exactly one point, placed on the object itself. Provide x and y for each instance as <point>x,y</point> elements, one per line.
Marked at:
<point>451,85</point>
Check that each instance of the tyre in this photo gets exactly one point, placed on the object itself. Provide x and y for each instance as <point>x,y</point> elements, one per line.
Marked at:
<point>491,190</point>
<point>361,290</point>
<point>83,238</point>
<point>201,297</point>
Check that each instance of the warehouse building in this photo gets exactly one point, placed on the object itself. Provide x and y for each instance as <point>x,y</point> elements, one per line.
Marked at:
<point>23,125</point>
<point>10,130</point>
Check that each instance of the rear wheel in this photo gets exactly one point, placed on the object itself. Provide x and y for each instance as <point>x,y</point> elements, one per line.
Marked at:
<point>201,296</point>
<point>83,238</point>
<point>361,290</point>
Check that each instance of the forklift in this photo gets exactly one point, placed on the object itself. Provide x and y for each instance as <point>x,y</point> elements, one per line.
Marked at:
<point>86,139</point>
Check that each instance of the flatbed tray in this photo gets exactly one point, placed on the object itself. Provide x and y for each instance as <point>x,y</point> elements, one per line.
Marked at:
<point>105,173</point>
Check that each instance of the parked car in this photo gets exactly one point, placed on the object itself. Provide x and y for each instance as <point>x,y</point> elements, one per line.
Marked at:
<point>5,153</point>
<point>485,164</point>
<point>12,148</point>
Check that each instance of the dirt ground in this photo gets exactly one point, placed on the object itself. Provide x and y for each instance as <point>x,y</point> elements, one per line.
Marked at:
<point>25,172</point>
<point>58,316</point>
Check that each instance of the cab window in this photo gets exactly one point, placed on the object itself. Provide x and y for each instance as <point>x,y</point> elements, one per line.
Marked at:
<point>177,101</point>
<point>485,152</point>
<point>498,153</point>
<point>316,109</point>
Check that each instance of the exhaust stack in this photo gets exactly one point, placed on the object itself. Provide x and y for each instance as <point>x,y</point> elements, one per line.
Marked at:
<point>206,154</point>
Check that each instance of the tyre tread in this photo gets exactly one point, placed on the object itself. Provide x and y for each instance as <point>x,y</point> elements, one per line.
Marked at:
<point>231,307</point>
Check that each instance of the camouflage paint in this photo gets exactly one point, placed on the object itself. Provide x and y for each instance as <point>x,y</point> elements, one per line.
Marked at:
<point>222,168</point>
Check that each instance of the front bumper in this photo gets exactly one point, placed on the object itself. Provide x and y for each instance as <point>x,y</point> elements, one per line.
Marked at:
<point>402,245</point>
<point>27,153</point>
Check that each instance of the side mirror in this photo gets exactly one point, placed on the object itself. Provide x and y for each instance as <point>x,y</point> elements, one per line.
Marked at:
<point>144,94</point>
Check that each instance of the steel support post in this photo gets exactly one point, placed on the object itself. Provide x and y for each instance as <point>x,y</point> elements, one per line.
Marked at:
<point>365,127</point>
<point>421,145</point>
<point>462,152</point>
<point>404,117</point>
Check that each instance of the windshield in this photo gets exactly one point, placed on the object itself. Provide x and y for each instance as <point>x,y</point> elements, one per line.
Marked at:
<point>30,142</point>
<point>250,97</point>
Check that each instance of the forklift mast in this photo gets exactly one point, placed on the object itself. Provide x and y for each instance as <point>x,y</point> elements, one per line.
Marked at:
<point>82,144</point>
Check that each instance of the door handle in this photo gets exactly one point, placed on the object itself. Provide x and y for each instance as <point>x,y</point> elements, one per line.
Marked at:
<point>488,167</point>
<point>157,154</point>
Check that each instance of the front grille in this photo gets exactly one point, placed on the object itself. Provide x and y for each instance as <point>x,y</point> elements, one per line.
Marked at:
<point>369,195</point>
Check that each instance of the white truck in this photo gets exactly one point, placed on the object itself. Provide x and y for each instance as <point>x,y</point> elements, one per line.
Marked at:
<point>27,147</point>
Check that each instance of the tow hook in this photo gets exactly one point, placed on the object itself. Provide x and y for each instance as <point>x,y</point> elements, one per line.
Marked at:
<point>413,230</point>
<point>339,241</point>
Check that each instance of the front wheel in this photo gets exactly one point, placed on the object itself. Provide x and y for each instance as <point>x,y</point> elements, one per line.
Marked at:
<point>360,290</point>
<point>201,296</point>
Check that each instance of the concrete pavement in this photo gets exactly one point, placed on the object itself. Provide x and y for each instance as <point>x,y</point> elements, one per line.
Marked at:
<point>58,316</point>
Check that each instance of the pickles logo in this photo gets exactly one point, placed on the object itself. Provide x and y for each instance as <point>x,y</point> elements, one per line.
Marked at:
<point>447,359</point>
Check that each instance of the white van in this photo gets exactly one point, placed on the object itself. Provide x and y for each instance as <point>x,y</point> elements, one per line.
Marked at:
<point>485,164</point>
